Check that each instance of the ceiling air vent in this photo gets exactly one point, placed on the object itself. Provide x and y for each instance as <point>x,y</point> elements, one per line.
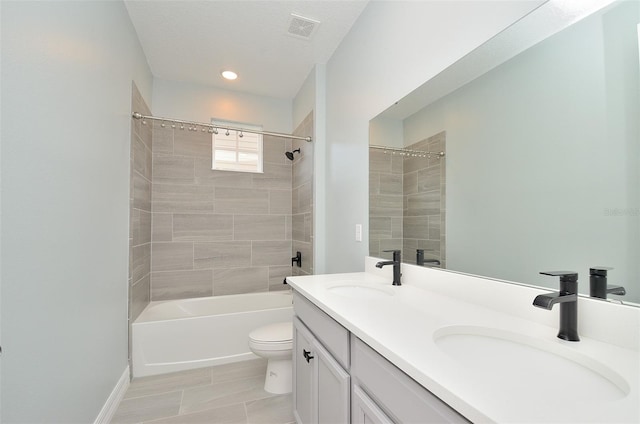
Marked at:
<point>302,27</point>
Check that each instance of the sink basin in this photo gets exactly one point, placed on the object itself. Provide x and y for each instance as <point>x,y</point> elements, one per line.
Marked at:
<point>530,365</point>
<point>360,290</point>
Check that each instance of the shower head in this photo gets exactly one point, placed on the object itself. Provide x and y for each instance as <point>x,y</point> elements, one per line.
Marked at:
<point>290,154</point>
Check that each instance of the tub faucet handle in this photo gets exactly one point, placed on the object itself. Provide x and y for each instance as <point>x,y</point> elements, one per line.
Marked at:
<point>297,260</point>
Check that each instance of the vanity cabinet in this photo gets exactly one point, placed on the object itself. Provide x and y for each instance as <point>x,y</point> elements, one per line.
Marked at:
<point>321,385</point>
<point>396,397</point>
<point>337,378</point>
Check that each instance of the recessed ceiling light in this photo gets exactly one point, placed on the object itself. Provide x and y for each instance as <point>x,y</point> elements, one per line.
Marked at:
<point>230,75</point>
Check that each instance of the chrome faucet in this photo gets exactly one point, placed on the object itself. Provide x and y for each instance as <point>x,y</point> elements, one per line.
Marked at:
<point>598,286</point>
<point>396,266</point>
<point>567,297</point>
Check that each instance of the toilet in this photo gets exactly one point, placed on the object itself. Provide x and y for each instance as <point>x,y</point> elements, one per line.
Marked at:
<point>274,342</point>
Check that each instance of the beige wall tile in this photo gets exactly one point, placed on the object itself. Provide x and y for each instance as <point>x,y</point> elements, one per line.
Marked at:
<point>379,162</point>
<point>305,198</point>
<point>391,183</point>
<point>277,274</point>
<point>241,200</point>
<point>182,198</point>
<point>380,227</point>
<point>425,203</point>
<point>416,227</point>
<point>385,205</point>
<point>271,253</point>
<point>169,169</point>
<point>259,227</point>
<point>202,227</point>
<point>374,183</point>
<point>142,227</point>
<point>307,255</point>
<point>276,176</point>
<point>141,157</point>
<point>191,143</point>
<point>280,202</point>
<point>227,254</point>
<point>162,227</point>
<point>274,150</point>
<point>141,192</point>
<point>206,175</point>
<point>429,178</point>
<point>181,284</point>
<point>240,280</point>
<point>298,227</point>
<point>162,138</point>
<point>171,256</point>
<point>141,262</point>
<point>140,296</point>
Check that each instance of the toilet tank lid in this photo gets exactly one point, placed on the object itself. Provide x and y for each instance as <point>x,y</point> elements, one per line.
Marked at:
<point>278,332</point>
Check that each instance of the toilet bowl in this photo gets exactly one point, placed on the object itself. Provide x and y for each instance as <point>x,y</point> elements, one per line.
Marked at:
<point>274,342</point>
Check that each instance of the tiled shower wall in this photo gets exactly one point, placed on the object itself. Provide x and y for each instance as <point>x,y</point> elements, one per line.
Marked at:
<point>139,210</point>
<point>217,232</point>
<point>302,197</point>
<point>424,202</point>
<point>407,202</point>
<point>385,202</point>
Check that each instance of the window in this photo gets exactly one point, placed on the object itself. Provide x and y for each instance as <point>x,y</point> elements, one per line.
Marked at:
<point>236,150</point>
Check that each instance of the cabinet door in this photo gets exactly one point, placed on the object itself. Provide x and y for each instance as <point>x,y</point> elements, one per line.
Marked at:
<point>303,374</point>
<point>332,384</point>
<point>365,411</point>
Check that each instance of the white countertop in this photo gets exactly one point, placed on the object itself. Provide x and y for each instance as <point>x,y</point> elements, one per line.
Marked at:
<point>401,327</point>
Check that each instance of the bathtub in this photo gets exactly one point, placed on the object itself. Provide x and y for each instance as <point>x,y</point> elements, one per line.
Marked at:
<point>177,335</point>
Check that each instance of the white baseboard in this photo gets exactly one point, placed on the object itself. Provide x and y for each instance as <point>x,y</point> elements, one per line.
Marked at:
<point>111,405</point>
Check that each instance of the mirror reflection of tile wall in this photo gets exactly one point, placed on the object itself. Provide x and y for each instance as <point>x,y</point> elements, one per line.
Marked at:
<point>423,191</point>
<point>407,202</point>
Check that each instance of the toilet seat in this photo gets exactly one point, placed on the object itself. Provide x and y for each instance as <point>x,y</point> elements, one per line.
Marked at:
<point>274,334</point>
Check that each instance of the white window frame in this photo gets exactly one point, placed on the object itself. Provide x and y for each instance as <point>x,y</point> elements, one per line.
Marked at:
<point>237,136</point>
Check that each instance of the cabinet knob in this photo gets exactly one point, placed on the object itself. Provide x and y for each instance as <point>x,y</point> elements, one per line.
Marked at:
<point>307,355</point>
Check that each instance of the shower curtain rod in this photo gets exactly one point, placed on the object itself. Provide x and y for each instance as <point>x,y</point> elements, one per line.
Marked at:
<point>407,152</point>
<point>213,128</point>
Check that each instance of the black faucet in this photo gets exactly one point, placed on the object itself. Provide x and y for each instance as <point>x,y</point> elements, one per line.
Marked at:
<point>420,260</point>
<point>568,300</point>
<point>598,283</point>
<point>396,266</point>
<point>297,260</point>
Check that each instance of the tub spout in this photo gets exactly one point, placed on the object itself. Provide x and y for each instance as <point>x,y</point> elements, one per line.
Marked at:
<point>547,301</point>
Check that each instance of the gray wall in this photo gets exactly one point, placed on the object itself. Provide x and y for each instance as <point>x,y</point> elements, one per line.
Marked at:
<point>392,48</point>
<point>67,69</point>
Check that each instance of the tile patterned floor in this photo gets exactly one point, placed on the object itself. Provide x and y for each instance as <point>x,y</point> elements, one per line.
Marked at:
<point>231,393</point>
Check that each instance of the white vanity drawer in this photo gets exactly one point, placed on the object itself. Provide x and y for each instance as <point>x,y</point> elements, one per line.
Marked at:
<point>394,392</point>
<point>332,335</point>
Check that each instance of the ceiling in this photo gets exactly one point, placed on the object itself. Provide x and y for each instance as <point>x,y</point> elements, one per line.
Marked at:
<point>193,41</point>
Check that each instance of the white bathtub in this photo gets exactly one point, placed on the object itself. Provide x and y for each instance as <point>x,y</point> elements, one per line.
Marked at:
<point>176,335</point>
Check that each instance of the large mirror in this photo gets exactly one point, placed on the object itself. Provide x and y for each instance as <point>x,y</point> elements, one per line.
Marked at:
<point>541,157</point>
